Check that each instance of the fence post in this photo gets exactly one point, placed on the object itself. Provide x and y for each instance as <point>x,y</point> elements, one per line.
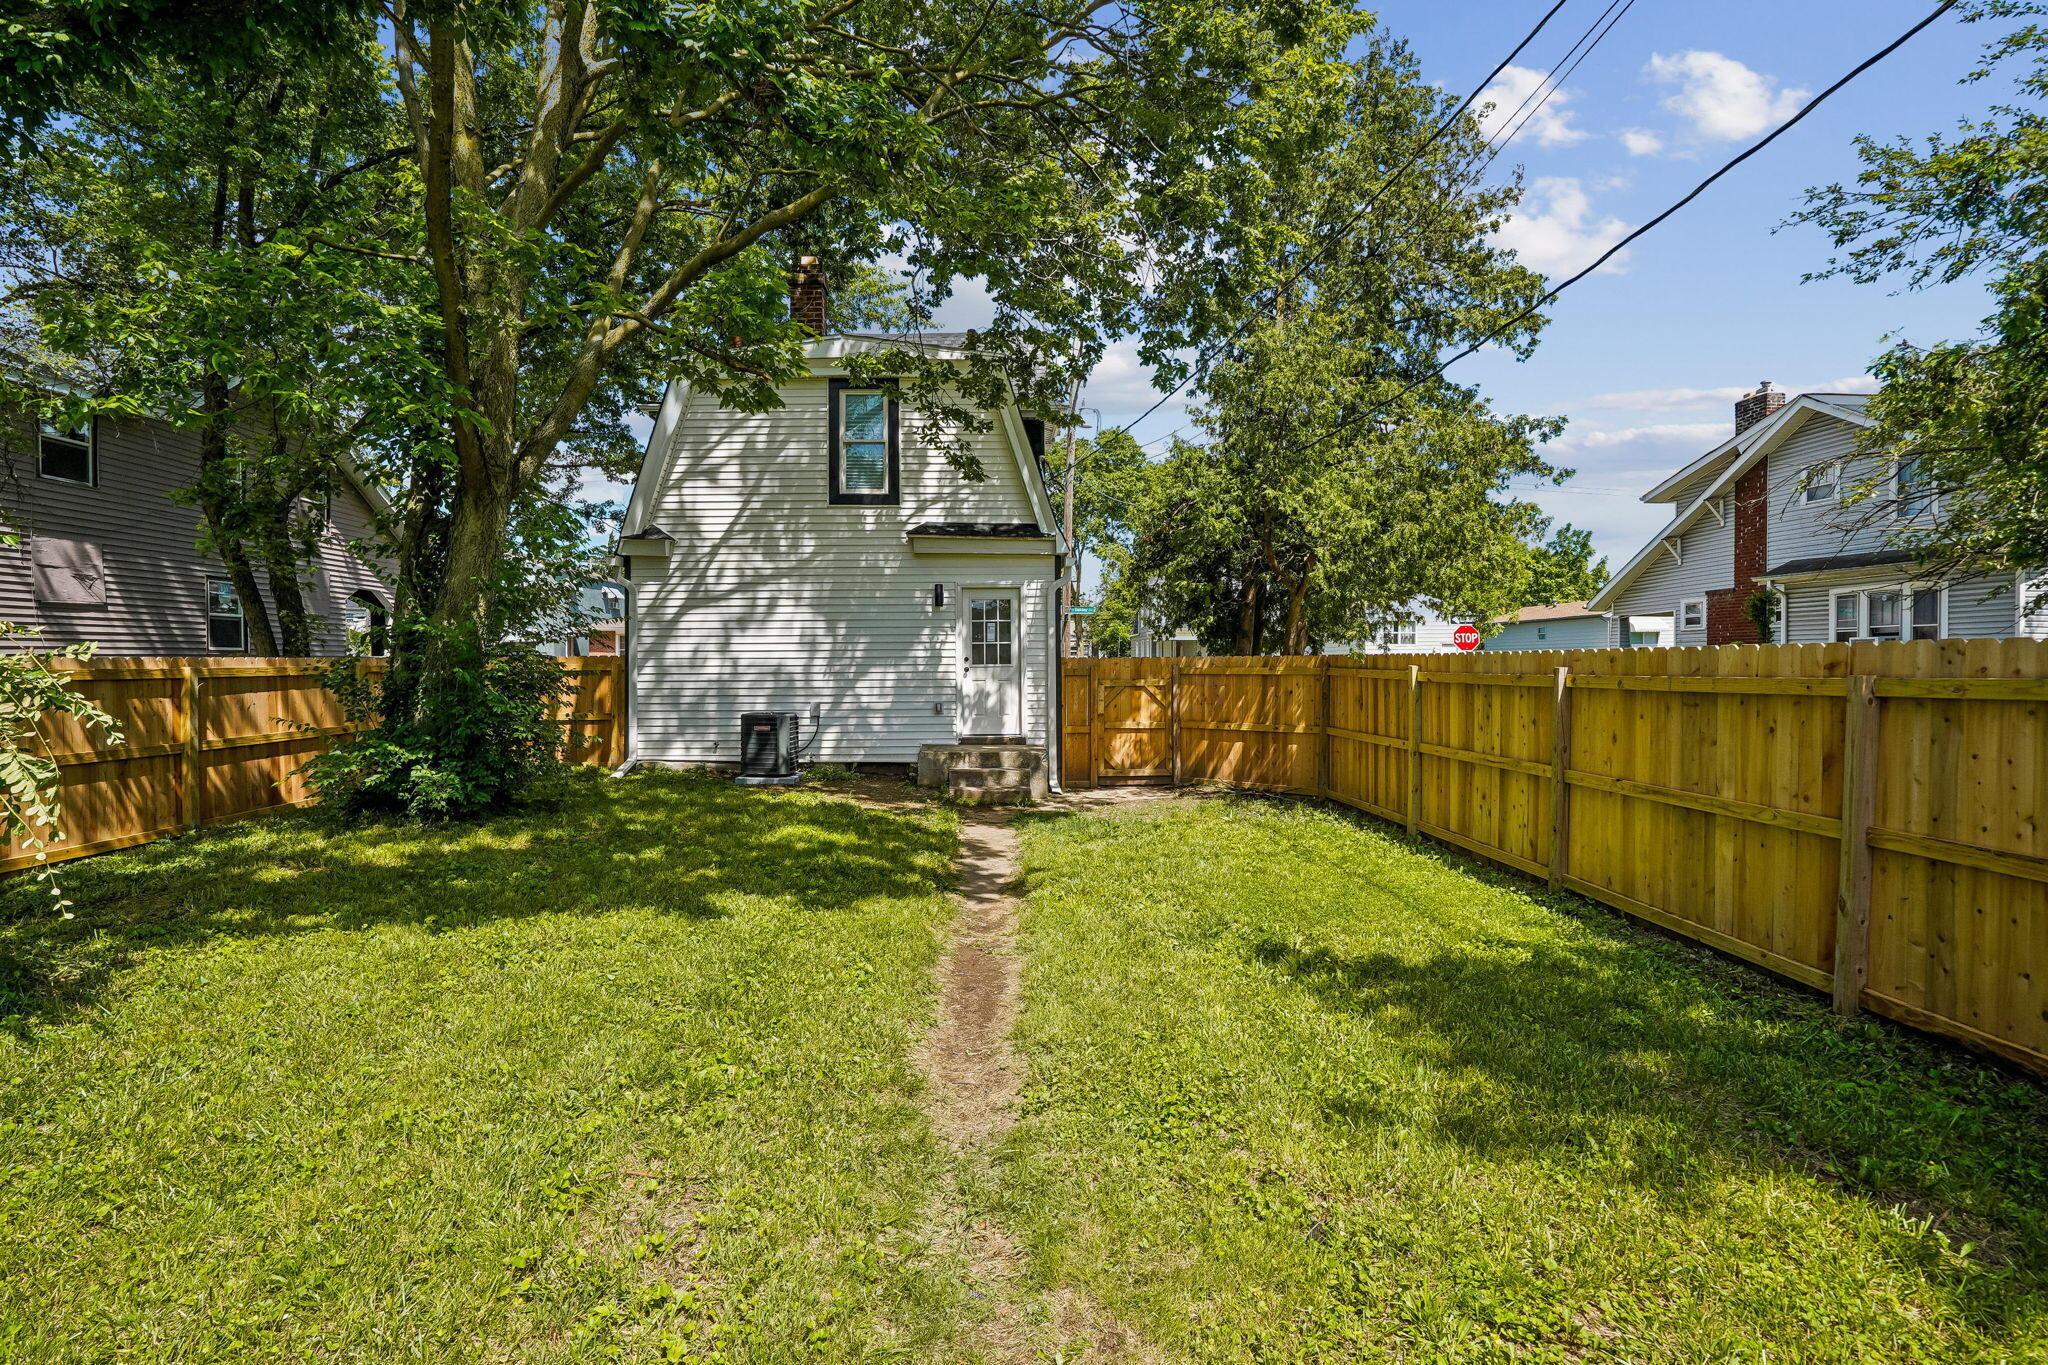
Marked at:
<point>1414,748</point>
<point>1323,730</point>
<point>1094,727</point>
<point>1173,719</point>
<point>192,774</point>
<point>1560,769</point>
<point>1859,804</point>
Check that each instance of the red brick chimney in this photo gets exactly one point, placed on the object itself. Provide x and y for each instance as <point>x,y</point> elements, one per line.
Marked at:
<point>1753,407</point>
<point>1727,621</point>
<point>807,295</point>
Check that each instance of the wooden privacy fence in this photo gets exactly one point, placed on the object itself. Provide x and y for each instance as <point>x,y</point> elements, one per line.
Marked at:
<point>211,739</point>
<point>1865,819</point>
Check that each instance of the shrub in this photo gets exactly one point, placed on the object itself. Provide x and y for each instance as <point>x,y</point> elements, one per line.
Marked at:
<point>487,743</point>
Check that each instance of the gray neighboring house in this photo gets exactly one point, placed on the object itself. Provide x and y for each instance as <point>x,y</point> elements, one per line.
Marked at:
<point>1765,509</point>
<point>105,554</point>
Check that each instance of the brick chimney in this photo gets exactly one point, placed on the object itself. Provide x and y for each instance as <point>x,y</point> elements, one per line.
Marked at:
<point>807,294</point>
<point>1753,407</point>
<point>1727,621</point>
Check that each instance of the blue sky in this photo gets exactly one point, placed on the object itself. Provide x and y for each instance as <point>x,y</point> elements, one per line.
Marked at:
<point>1647,357</point>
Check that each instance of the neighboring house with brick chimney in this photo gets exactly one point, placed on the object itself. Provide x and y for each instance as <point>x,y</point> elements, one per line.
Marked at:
<point>1765,510</point>
<point>824,558</point>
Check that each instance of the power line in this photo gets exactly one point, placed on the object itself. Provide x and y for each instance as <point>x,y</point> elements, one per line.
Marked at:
<point>1544,84</point>
<point>1559,80</point>
<point>1364,208</point>
<point>1639,232</point>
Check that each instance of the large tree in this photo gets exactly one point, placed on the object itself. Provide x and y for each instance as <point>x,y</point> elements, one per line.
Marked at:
<point>612,193</point>
<point>1343,486</point>
<point>186,243</point>
<point>1967,418</point>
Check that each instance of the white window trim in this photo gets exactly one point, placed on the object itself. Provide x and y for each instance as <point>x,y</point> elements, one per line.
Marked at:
<point>1807,494</point>
<point>211,647</point>
<point>1905,591</point>
<point>1898,512</point>
<point>1684,604</point>
<point>846,489</point>
<point>92,456</point>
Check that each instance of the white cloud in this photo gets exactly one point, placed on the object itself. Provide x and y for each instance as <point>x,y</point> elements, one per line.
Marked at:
<point>1641,142</point>
<point>1724,396</point>
<point>1697,437</point>
<point>1721,98</point>
<point>1556,231</point>
<point>1120,382</point>
<point>1550,125</point>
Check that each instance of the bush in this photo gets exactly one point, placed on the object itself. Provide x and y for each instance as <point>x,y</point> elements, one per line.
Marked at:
<point>488,743</point>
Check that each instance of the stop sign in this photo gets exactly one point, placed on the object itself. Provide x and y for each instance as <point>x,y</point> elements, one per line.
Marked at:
<point>1466,637</point>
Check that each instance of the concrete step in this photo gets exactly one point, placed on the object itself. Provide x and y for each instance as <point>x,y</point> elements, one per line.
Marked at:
<point>989,777</point>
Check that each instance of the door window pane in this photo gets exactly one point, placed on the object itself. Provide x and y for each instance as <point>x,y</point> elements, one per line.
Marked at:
<point>864,443</point>
<point>991,638</point>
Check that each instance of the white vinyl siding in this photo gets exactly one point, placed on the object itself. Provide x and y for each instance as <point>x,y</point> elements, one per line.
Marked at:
<point>775,598</point>
<point>1975,609</point>
<point>1800,529</point>
<point>1708,563</point>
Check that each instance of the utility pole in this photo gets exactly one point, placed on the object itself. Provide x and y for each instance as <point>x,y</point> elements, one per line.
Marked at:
<point>1070,590</point>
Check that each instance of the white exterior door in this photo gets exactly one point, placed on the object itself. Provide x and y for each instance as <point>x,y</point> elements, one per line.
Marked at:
<point>991,664</point>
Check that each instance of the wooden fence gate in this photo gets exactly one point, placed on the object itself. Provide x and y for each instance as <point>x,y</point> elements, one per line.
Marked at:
<point>1126,710</point>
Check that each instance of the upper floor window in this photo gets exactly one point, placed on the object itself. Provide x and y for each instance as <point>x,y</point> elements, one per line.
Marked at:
<point>227,629</point>
<point>1692,614</point>
<point>67,454</point>
<point>1823,483</point>
<point>863,438</point>
<point>1912,489</point>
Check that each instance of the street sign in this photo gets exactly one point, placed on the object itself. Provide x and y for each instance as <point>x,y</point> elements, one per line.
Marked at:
<point>1466,637</point>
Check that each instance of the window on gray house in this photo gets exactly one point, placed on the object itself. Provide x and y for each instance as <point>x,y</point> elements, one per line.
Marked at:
<point>66,454</point>
<point>1913,490</point>
<point>227,629</point>
<point>368,629</point>
<point>1882,612</point>
<point>1822,482</point>
<point>1926,620</point>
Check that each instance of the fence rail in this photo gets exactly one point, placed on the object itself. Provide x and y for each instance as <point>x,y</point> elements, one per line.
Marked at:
<point>206,740</point>
<point>1868,820</point>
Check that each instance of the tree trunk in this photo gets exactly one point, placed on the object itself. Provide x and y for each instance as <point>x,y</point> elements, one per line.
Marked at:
<point>1251,608</point>
<point>1296,641</point>
<point>281,564</point>
<point>217,509</point>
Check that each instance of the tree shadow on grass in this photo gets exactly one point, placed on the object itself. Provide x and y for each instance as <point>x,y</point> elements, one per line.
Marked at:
<point>687,845</point>
<point>1675,1079</point>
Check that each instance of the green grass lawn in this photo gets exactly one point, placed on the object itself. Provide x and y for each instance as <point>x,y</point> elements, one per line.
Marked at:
<point>628,1079</point>
<point>1304,1091</point>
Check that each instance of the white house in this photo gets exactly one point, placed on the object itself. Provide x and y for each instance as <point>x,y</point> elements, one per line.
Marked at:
<point>1768,510</point>
<point>1428,633</point>
<point>824,558</point>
